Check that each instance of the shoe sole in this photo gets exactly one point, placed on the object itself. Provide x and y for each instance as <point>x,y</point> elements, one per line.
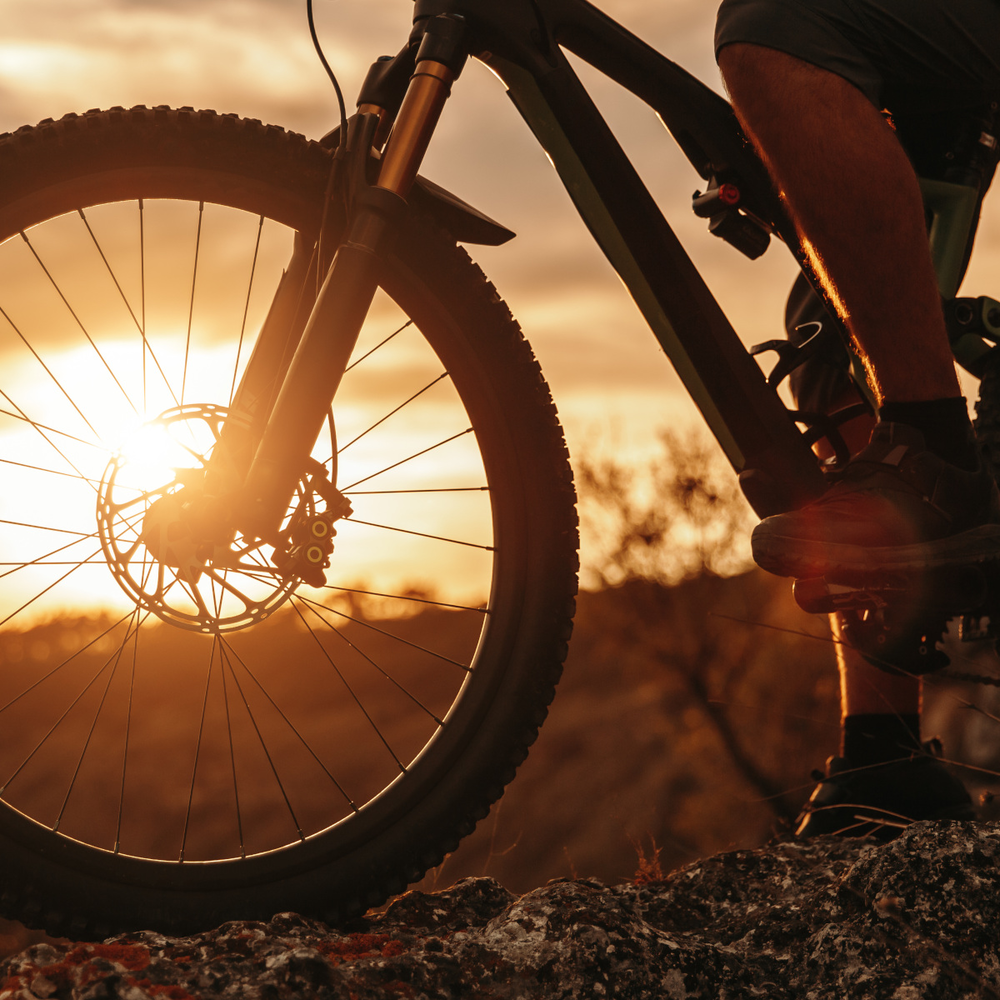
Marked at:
<point>858,565</point>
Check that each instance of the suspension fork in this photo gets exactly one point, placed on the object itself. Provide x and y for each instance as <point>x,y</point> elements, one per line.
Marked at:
<point>331,332</point>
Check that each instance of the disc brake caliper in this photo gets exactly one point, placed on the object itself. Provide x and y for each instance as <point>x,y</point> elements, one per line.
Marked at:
<point>308,542</point>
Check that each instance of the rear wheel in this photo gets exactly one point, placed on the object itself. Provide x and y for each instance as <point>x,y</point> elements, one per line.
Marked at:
<point>189,738</point>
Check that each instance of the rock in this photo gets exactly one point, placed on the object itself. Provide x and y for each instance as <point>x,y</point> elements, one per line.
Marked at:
<point>916,919</point>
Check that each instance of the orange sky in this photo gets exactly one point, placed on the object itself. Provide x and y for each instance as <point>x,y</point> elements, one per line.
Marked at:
<point>254,57</point>
<point>612,385</point>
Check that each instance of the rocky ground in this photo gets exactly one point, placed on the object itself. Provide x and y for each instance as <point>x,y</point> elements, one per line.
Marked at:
<point>916,919</point>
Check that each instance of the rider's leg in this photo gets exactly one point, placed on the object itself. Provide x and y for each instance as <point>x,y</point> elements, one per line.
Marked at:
<point>844,175</point>
<point>880,712</point>
<point>856,201</point>
<point>883,777</point>
<point>854,196</point>
<point>880,744</point>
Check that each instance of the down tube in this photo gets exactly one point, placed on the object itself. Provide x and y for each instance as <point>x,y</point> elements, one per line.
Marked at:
<point>744,414</point>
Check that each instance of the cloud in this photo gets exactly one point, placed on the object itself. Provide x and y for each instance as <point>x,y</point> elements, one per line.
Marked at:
<point>254,57</point>
<point>236,54</point>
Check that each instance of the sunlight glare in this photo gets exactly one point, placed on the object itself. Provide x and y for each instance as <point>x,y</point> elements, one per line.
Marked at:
<point>153,455</point>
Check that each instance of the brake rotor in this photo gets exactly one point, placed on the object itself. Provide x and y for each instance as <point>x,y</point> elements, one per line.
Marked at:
<point>172,548</point>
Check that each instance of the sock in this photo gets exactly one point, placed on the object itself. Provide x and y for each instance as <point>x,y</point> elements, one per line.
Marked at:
<point>944,424</point>
<point>876,739</point>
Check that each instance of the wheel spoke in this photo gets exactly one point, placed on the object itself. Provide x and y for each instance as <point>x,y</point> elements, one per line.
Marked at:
<point>46,527</point>
<point>197,752</point>
<point>76,701</point>
<point>69,659</point>
<point>406,402</point>
<point>93,726</point>
<point>232,764</point>
<point>429,489</point>
<point>410,598</point>
<point>378,346</point>
<point>51,472</point>
<point>353,645</point>
<point>194,283</point>
<point>83,330</point>
<point>42,593</point>
<point>142,308</point>
<point>409,458</point>
<point>43,432</point>
<point>139,324</point>
<point>40,427</point>
<point>227,649</point>
<point>128,734</point>
<point>95,560</point>
<point>48,371</point>
<point>234,655</point>
<point>246,308</point>
<point>421,534</point>
<point>354,697</point>
<point>315,605</point>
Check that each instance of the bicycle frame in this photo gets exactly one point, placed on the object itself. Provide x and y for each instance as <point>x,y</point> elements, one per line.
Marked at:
<point>522,42</point>
<point>525,51</point>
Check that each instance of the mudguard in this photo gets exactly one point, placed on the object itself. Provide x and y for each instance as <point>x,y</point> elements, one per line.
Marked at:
<point>465,223</point>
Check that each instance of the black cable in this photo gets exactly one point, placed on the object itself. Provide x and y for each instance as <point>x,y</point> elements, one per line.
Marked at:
<point>329,71</point>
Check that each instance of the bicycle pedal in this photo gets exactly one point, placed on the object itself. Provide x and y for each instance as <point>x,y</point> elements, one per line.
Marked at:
<point>953,590</point>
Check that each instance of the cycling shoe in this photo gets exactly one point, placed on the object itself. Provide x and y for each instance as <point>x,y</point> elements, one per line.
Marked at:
<point>895,510</point>
<point>881,800</point>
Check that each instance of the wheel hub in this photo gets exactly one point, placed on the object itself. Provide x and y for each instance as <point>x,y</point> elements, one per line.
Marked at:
<point>174,550</point>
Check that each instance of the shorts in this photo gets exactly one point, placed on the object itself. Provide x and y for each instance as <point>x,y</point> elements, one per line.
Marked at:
<point>928,54</point>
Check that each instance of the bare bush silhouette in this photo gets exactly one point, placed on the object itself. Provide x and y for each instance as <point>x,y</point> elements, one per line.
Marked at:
<point>684,519</point>
<point>680,516</point>
<point>695,698</point>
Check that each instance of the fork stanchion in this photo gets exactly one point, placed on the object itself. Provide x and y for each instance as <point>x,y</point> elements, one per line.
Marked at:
<point>425,98</point>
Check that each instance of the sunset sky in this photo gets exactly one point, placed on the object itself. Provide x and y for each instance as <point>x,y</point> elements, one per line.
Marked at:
<point>254,57</point>
<point>103,536</point>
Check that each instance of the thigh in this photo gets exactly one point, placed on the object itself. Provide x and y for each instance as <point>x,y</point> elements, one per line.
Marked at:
<point>936,53</point>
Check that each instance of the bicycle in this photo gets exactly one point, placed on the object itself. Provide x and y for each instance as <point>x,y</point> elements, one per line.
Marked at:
<point>311,749</point>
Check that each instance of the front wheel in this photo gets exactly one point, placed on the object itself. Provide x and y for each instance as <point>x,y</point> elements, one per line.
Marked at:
<point>189,738</point>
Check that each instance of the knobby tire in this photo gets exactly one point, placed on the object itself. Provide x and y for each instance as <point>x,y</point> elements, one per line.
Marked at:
<point>82,703</point>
